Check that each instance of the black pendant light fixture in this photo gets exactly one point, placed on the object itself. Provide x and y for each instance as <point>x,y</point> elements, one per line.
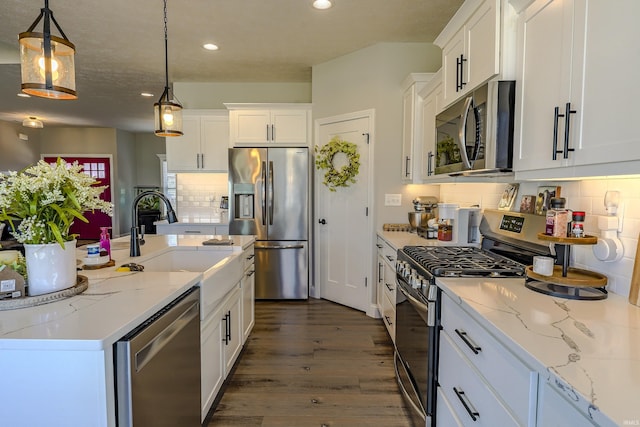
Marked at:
<point>47,61</point>
<point>167,112</point>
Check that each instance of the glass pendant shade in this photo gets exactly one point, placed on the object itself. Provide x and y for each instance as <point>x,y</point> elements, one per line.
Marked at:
<point>47,61</point>
<point>168,117</point>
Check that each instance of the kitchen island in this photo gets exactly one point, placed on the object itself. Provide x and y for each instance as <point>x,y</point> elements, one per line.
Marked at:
<point>58,357</point>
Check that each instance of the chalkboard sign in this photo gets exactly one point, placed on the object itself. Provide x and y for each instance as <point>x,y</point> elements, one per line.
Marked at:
<point>512,223</point>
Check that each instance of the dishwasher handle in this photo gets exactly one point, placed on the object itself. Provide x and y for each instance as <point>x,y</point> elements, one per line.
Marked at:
<point>156,343</point>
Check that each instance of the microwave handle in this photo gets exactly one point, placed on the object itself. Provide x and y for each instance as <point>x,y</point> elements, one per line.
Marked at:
<point>462,132</point>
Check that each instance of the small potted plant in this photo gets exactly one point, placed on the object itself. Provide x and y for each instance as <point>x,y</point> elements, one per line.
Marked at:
<point>46,199</point>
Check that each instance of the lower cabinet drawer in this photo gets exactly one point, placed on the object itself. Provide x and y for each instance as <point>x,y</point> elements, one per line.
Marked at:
<point>389,317</point>
<point>468,394</point>
<point>509,377</point>
<point>445,414</point>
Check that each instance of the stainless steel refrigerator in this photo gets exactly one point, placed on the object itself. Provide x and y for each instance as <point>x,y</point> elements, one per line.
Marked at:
<point>269,198</point>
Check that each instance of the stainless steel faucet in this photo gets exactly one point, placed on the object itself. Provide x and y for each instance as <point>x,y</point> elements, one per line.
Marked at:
<point>135,240</point>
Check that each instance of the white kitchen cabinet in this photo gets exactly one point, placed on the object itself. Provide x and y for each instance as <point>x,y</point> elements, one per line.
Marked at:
<point>191,228</point>
<point>478,370</point>
<point>248,292</point>
<point>574,111</point>
<point>203,147</point>
<point>386,286</point>
<point>431,96</point>
<point>554,410</point>
<point>269,124</point>
<point>231,318</point>
<point>212,361</point>
<point>470,48</point>
<point>412,127</point>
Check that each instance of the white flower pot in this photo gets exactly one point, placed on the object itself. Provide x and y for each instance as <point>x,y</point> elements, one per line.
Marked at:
<point>50,268</point>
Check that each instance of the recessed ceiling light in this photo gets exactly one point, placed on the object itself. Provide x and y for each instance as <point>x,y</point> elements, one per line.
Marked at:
<point>24,95</point>
<point>147,94</point>
<point>210,46</point>
<point>322,4</point>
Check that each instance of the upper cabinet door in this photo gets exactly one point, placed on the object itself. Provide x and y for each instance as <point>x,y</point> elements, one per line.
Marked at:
<point>214,144</point>
<point>544,63</point>
<point>283,126</point>
<point>470,48</point>
<point>574,109</point>
<point>183,152</point>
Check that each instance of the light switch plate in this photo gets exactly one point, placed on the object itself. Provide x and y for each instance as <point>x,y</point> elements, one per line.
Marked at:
<point>393,199</point>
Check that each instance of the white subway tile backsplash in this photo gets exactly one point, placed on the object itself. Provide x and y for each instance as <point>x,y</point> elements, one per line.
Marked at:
<point>587,195</point>
<point>199,195</point>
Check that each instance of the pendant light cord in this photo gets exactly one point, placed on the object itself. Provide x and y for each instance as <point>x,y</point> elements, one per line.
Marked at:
<point>166,51</point>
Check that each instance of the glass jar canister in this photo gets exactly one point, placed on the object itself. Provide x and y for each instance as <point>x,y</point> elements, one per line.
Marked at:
<point>557,218</point>
<point>445,231</point>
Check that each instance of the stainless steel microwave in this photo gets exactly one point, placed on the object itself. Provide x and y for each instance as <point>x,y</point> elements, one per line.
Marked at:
<point>474,136</point>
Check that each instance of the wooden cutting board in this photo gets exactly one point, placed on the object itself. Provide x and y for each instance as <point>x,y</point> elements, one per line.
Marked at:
<point>634,292</point>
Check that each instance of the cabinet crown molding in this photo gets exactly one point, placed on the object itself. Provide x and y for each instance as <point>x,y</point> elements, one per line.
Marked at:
<point>266,106</point>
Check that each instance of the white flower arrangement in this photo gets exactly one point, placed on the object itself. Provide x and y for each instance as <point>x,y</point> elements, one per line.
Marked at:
<point>47,199</point>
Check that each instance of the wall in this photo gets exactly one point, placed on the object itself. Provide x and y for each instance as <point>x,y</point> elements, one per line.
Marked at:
<point>147,147</point>
<point>16,154</point>
<point>214,95</point>
<point>126,167</point>
<point>372,78</point>
<point>586,195</point>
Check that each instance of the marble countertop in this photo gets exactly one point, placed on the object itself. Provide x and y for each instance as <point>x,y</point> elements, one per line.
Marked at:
<point>588,351</point>
<point>400,239</point>
<point>113,304</point>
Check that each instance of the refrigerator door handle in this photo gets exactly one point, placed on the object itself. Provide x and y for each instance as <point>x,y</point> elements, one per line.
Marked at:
<point>270,193</point>
<point>281,247</point>
<point>264,190</point>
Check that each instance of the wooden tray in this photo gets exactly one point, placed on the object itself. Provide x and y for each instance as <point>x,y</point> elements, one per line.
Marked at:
<point>109,263</point>
<point>575,277</point>
<point>586,240</point>
<point>82,283</point>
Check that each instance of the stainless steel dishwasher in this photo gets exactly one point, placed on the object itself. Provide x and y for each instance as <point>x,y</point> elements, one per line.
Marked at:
<point>158,368</point>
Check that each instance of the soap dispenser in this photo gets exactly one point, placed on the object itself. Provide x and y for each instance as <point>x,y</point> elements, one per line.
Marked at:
<point>105,243</point>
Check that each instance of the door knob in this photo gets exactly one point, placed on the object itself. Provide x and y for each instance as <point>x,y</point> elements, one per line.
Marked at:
<point>322,221</point>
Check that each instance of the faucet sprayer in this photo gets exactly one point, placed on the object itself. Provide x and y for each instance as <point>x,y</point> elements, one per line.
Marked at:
<point>135,240</point>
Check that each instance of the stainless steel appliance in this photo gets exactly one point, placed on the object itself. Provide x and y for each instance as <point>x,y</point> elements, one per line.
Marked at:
<point>475,135</point>
<point>158,368</point>
<point>508,245</point>
<point>269,198</point>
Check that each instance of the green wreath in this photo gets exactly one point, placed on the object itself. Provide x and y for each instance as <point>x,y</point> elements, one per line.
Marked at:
<point>334,178</point>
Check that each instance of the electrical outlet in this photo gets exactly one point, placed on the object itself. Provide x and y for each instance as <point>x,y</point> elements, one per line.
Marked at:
<point>393,199</point>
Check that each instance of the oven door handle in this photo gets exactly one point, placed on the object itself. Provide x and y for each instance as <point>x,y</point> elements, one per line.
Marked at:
<point>426,311</point>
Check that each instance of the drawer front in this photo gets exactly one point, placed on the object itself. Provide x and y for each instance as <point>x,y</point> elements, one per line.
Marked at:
<point>389,317</point>
<point>470,397</point>
<point>247,258</point>
<point>507,375</point>
<point>445,414</point>
<point>389,254</point>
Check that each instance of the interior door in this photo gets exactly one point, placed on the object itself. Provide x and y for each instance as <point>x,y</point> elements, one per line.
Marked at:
<point>343,255</point>
<point>100,169</point>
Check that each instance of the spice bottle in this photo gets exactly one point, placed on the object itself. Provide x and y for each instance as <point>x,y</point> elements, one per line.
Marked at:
<point>577,226</point>
<point>557,218</point>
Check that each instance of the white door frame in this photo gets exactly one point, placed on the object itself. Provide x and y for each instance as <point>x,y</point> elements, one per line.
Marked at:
<point>314,290</point>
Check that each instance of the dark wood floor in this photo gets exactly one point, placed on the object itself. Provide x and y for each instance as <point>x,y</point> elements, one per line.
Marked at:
<point>313,363</point>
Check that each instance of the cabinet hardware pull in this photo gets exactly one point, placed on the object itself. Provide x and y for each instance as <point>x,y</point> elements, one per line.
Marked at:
<point>380,272</point>
<point>251,256</point>
<point>430,156</point>
<point>379,246</point>
<point>192,232</point>
<point>251,273</point>
<point>458,74</point>
<point>467,405</point>
<point>322,221</point>
<point>388,319</point>
<point>273,133</point>
<point>567,119</point>
<point>406,166</point>
<point>462,61</point>
<point>391,288</point>
<point>226,322</point>
<point>202,160</point>
<point>228,331</point>
<point>556,116</point>
<point>390,258</point>
<point>464,337</point>
<point>267,132</point>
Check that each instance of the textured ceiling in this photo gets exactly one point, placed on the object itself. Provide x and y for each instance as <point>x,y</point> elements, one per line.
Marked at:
<point>120,47</point>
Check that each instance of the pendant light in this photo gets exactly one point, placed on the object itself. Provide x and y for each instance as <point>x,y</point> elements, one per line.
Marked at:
<point>47,61</point>
<point>167,112</point>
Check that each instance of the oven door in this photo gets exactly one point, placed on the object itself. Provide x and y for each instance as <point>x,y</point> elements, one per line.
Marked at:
<point>416,350</point>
